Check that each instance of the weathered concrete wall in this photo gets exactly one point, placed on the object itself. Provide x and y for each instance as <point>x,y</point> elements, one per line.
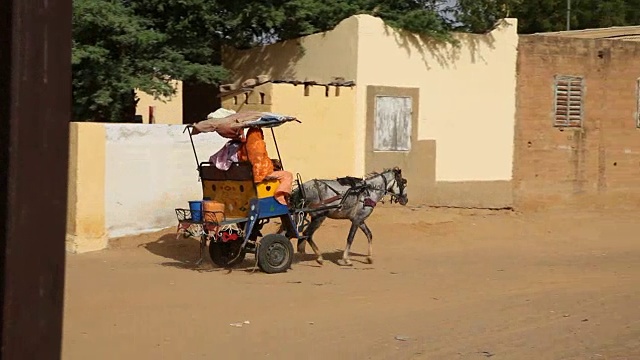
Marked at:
<point>598,164</point>
<point>149,171</point>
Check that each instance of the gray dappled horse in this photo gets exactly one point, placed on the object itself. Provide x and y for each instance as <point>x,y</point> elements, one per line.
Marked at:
<point>358,198</point>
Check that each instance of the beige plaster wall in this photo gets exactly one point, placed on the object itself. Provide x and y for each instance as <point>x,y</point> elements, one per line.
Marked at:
<point>322,145</point>
<point>318,57</point>
<point>467,94</point>
<point>167,111</point>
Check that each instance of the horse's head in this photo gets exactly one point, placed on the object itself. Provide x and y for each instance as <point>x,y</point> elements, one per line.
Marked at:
<point>397,187</point>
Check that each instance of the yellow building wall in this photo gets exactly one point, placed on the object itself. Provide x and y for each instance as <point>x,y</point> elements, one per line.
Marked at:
<point>86,188</point>
<point>322,145</point>
<point>467,94</point>
<point>318,57</point>
<point>167,110</point>
<point>259,99</point>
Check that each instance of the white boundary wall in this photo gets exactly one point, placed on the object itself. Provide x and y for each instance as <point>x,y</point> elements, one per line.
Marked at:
<point>150,171</point>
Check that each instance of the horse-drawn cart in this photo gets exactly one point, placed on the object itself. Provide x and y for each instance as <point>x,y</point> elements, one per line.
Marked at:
<point>236,205</point>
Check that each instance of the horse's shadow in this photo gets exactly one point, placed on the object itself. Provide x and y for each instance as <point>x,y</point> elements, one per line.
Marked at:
<point>334,256</point>
<point>183,253</point>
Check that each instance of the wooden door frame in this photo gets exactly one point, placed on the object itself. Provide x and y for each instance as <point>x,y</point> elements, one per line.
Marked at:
<point>35,110</point>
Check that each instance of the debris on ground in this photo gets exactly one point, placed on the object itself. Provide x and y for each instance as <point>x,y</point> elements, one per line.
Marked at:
<point>239,324</point>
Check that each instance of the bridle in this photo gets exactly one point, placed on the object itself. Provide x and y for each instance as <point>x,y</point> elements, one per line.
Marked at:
<point>397,178</point>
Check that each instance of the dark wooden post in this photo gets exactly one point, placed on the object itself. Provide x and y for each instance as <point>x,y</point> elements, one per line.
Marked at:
<point>35,104</point>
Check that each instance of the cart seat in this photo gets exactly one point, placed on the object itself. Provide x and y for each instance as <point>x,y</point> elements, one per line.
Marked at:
<point>234,187</point>
<point>239,171</point>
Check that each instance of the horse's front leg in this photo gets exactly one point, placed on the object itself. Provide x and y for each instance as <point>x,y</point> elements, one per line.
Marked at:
<point>345,256</point>
<point>308,233</point>
<point>367,232</point>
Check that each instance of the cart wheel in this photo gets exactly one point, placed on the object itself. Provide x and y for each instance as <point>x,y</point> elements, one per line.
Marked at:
<point>275,253</point>
<point>222,253</point>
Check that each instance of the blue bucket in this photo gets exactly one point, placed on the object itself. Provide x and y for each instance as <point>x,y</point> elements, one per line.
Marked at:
<point>196,210</point>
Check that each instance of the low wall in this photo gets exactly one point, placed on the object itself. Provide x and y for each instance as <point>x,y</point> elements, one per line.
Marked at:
<point>150,170</point>
<point>126,179</point>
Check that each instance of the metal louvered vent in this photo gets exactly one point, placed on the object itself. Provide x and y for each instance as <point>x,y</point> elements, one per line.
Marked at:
<point>569,95</point>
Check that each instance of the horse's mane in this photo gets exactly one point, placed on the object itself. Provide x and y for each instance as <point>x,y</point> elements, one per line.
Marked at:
<point>371,174</point>
<point>375,173</point>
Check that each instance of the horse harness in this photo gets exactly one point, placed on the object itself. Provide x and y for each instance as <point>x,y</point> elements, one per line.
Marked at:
<point>356,185</point>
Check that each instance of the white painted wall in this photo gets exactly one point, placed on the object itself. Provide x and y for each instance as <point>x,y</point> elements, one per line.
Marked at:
<point>150,171</point>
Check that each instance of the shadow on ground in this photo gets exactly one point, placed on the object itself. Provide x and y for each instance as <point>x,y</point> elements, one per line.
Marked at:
<point>183,253</point>
<point>336,255</point>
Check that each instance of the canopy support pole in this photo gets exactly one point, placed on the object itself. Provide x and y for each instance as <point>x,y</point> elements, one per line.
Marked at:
<point>193,147</point>
<point>277,150</point>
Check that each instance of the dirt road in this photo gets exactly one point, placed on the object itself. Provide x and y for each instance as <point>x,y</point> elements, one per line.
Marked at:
<point>444,285</point>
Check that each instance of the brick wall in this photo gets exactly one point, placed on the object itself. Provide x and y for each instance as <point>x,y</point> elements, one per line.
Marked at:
<point>596,164</point>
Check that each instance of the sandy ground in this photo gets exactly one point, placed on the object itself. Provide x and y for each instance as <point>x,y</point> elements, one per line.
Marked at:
<point>445,284</point>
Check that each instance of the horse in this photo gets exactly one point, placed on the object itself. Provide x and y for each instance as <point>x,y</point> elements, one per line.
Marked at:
<point>357,197</point>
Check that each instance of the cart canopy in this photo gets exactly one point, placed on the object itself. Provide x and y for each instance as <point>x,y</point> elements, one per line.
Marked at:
<point>242,120</point>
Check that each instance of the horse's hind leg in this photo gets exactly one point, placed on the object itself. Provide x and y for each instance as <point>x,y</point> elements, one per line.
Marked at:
<point>313,225</point>
<point>369,235</point>
<point>347,249</point>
